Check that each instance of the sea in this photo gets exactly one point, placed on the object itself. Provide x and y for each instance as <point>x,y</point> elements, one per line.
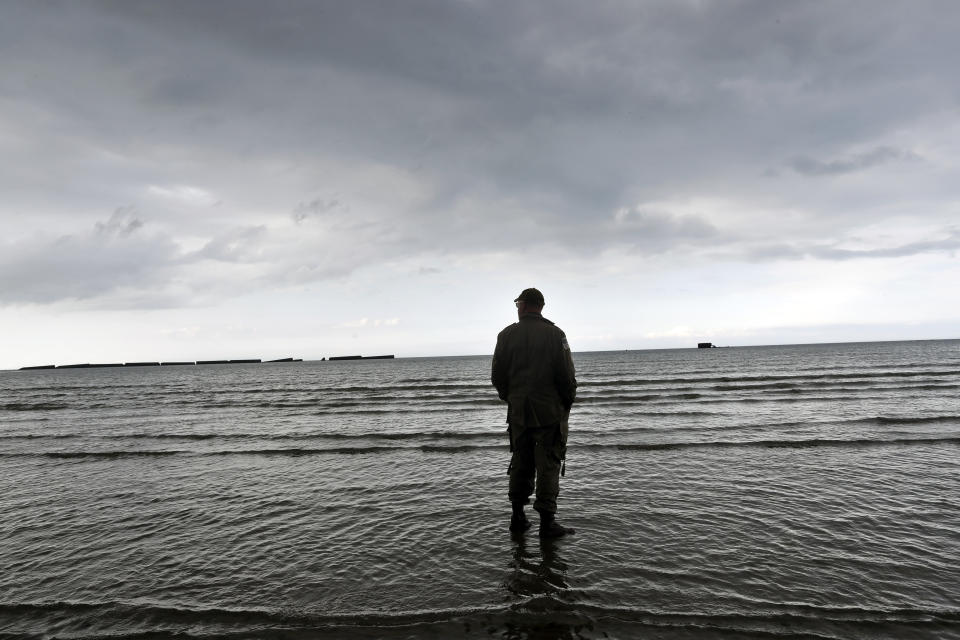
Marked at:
<point>805,491</point>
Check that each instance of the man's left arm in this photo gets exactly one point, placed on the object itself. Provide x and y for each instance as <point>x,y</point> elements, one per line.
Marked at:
<point>567,378</point>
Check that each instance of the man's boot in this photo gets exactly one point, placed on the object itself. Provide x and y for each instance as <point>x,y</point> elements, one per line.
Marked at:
<point>518,521</point>
<point>550,528</point>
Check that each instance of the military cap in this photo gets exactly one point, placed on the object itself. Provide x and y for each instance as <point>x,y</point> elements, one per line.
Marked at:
<point>531,296</point>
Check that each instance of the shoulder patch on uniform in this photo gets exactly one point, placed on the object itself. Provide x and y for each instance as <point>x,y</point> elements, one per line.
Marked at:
<point>563,341</point>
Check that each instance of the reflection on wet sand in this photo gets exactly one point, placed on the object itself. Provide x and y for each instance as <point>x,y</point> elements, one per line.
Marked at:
<point>546,607</point>
<point>537,569</point>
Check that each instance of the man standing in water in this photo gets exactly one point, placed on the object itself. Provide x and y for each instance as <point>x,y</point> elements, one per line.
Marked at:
<point>533,371</point>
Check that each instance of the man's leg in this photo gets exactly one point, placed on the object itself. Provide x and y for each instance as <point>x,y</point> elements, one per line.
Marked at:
<point>522,472</point>
<point>547,452</point>
<point>546,455</point>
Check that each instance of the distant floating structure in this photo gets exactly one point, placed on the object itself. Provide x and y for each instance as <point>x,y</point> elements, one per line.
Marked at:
<point>706,345</point>
<point>99,365</point>
<point>87,365</point>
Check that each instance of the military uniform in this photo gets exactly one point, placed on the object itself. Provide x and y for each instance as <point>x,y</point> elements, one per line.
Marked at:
<point>533,371</point>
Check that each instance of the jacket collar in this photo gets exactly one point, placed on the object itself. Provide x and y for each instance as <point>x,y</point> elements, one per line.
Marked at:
<point>533,316</point>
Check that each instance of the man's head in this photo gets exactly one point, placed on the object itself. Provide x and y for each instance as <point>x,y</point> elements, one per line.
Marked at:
<point>529,301</point>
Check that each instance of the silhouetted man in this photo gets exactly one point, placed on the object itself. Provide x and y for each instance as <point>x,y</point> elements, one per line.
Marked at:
<point>533,371</point>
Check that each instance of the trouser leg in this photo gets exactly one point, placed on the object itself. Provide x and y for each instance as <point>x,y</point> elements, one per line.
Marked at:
<point>522,468</point>
<point>547,460</point>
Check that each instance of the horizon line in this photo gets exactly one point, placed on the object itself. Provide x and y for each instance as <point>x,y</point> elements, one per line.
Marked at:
<point>136,364</point>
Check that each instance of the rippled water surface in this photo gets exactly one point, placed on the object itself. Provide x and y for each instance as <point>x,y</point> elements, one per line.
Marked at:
<point>799,491</point>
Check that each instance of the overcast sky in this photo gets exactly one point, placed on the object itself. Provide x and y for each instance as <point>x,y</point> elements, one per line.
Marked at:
<point>199,180</point>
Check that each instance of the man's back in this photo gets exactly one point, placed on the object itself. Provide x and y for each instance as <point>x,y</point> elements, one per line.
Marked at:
<point>533,371</point>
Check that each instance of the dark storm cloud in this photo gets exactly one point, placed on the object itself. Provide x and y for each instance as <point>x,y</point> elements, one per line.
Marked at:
<point>530,95</point>
<point>511,124</point>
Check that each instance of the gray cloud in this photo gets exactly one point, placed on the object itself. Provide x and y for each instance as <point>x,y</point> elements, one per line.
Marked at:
<point>238,245</point>
<point>122,223</point>
<point>949,243</point>
<point>316,207</point>
<point>109,257</point>
<point>114,264</point>
<point>810,167</point>
<point>643,223</point>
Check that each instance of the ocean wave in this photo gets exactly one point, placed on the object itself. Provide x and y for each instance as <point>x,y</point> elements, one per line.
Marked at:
<point>883,366</point>
<point>916,419</point>
<point>782,444</point>
<point>762,385</point>
<point>33,406</point>
<point>493,432</point>
<point>278,451</point>
<point>67,455</point>
<point>854,396</point>
<point>765,391</point>
<point>604,382</point>
<point>799,424</point>
<point>462,448</point>
<point>420,435</point>
<point>41,436</point>
<point>304,451</point>
<point>614,398</point>
<point>358,405</point>
<point>385,388</point>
